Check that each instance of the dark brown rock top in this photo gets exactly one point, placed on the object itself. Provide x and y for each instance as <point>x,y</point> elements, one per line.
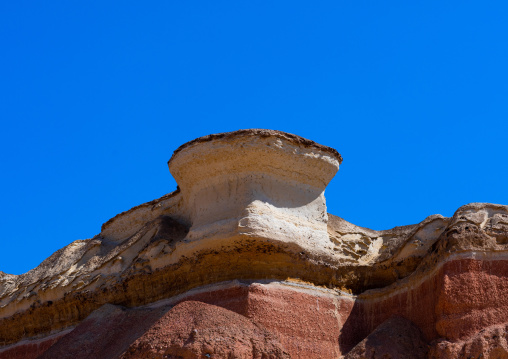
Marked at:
<point>261,133</point>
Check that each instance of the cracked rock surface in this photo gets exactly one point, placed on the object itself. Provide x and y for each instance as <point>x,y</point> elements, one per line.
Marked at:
<point>247,232</point>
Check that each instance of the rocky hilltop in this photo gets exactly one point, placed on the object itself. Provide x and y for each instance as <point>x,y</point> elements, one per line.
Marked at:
<point>243,261</point>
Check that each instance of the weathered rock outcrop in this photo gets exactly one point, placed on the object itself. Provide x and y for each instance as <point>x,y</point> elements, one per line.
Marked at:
<point>247,233</point>
<point>195,330</point>
<point>397,338</point>
<point>491,342</point>
<point>188,330</point>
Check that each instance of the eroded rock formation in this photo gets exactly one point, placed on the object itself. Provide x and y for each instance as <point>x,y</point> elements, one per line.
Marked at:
<point>243,260</point>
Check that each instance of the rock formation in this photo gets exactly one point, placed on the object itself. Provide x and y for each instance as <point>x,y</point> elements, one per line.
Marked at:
<point>244,261</point>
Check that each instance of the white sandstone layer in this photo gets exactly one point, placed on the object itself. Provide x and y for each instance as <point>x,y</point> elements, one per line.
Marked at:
<point>251,186</point>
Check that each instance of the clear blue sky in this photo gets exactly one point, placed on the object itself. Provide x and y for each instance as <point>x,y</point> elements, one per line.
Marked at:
<point>96,95</point>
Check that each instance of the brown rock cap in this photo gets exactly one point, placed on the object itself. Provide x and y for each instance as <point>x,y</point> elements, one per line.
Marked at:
<point>261,133</point>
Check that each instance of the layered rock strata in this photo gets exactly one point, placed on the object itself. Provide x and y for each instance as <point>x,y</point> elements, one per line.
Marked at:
<point>243,260</point>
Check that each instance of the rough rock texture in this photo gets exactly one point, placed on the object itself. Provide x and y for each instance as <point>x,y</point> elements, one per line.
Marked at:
<point>397,338</point>
<point>188,330</point>
<point>31,349</point>
<point>247,231</point>
<point>195,330</point>
<point>268,186</point>
<point>491,342</point>
<point>106,333</point>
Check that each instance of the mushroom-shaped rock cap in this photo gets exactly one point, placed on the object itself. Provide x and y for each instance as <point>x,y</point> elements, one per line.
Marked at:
<point>257,183</point>
<point>261,133</point>
<point>253,150</point>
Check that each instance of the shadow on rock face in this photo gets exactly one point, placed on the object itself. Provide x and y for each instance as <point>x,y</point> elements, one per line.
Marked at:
<point>198,330</point>
<point>106,333</point>
<point>396,338</point>
<point>188,330</point>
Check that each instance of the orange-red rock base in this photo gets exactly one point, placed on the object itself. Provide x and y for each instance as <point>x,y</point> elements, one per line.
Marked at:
<point>456,310</point>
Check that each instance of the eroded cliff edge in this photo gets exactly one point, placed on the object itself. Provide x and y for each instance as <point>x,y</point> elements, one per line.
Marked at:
<point>248,231</point>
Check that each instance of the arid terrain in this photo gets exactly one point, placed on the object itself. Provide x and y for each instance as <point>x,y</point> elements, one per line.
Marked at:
<point>244,261</point>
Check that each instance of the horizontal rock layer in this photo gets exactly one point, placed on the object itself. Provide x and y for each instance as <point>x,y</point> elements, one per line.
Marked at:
<point>306,321</point>
<point>248,234</point>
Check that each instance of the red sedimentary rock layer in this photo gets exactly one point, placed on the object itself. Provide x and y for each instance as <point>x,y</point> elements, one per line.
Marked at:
<point>449,307</point>
<point>29,350</point>
<point>463,297</point>
<point>244,261</point>
<point>195,330</point>
<point>474,296</point>
<point>490,342</point>
<point>395,338</point>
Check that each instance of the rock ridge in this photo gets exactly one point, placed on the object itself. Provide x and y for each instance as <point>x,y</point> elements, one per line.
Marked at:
<point>272,254</point>
<point>260,133</point>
